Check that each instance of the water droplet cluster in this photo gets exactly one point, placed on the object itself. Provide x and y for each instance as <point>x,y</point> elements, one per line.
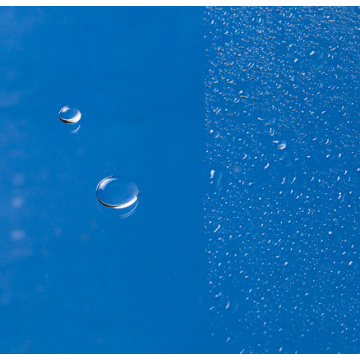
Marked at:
<point>283,248</point>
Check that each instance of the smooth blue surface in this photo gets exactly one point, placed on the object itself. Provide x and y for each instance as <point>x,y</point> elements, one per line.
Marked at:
<point>75,278</point>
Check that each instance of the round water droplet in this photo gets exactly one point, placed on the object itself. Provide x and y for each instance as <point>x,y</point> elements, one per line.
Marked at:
<point>69,115</point>
<point>117,192</point>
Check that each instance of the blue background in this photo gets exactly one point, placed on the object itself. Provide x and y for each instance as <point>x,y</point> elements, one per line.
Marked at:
<point>262,258</point>
<point>283,224</point>
<point>75,278</point>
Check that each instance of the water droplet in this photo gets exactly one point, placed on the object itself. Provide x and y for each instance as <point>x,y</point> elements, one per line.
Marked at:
<point>281,145</point>
<point>317,54</point>
<point>69,115</point>
<point>244,94</point>
<point>285,160</point>
<point>214,133</point>
<point>215,178</point>
<point>117,192</point>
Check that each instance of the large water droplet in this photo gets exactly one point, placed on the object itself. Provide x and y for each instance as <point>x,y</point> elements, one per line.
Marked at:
<point>117,192</point>
<point>69,115</point>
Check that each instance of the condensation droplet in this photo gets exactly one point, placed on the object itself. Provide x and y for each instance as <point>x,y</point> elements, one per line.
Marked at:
<point>117,192</point>
<point>281,145</point>
<point>69,115</point>
<point>214,133</point>
<point>215,178</point>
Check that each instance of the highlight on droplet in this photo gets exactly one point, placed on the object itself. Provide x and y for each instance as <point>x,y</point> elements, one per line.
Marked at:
<point>69,115</point>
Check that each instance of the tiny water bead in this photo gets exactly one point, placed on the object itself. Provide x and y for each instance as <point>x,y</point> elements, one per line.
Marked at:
<point>214,133</point>
<point>281,145</point>
<point>117,192</point>
<point>69,115</point>
<point>215,178</point>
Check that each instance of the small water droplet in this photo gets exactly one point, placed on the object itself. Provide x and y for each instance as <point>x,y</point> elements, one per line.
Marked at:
<point>69,115</point>
<point>244,94</point>
<point>281,145</point>
<point>214,133</point>
<point>285,160</point>
<point>117,192</point>
<point>215,178</point>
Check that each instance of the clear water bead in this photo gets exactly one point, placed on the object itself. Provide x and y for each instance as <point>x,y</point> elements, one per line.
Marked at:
<point>281,145</point>
<point>117,192</point>
<point>214,133</point>
<point>69,115</point>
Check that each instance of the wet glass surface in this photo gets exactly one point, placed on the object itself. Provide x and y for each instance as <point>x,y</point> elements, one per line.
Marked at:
<point>282,219</point>
<point>244,145</point>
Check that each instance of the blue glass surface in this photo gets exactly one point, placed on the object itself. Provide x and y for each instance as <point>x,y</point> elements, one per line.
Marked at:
<point>240,128</point>
<point>74,278</point>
